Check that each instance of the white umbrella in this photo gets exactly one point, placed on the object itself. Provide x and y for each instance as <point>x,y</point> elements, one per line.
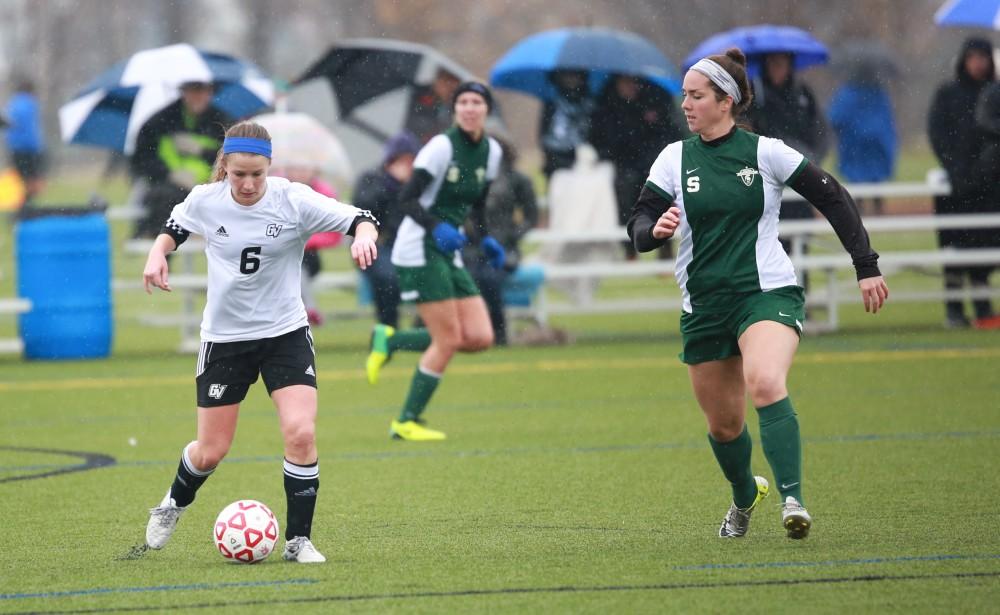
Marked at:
<point>300,140</point>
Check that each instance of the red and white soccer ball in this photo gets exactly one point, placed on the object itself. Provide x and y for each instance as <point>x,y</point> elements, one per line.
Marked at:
<point>245,532</point>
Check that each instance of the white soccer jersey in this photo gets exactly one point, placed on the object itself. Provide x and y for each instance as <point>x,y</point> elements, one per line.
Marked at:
<point>255,254</point>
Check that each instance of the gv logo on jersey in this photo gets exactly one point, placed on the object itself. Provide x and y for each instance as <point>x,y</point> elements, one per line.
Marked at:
<point>747,174</point>
<point>273,230</point>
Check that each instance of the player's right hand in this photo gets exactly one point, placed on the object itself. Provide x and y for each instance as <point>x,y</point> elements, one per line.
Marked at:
<point>667,224</point>
<point>155,272</point>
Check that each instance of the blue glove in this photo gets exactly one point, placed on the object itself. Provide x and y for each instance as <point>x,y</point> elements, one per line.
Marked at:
<point>448,238</point>
<point>494,252</point>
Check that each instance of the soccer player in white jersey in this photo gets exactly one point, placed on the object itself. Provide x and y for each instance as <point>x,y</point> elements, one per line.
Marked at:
<point>255,229</point>
<point>720,193</point>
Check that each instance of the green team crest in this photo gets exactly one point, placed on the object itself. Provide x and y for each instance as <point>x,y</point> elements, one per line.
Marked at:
<point>747,175</point>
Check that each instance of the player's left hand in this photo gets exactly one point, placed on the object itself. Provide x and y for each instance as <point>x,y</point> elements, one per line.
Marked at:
<point>363,249</point>
<point>874,293</point>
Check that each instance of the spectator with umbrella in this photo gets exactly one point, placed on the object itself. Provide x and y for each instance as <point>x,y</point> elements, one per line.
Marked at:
<point>957,141</point>
<point>175,151</point>
<point>987,168</point>
<point>565,68</point>
<point>113,108</point>
<point>632,122</point>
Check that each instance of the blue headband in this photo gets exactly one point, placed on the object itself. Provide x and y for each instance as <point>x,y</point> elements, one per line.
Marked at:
<point>246,145</point>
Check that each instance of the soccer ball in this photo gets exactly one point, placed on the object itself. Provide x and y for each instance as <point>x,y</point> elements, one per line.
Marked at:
<point>245,532</point>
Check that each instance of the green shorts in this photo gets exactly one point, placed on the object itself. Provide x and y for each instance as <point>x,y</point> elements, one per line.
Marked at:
<point>711,335</point>
<point>440,279</point>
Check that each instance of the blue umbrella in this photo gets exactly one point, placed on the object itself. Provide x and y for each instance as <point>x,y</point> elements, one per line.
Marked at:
<point>112,108</point>
<point>983,13</point>
<point>598,51</point>
<point>757,41</point>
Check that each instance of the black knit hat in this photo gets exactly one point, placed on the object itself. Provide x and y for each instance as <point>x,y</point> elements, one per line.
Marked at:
<point>476,87</point>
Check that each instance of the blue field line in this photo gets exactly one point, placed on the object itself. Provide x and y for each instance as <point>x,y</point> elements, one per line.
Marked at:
<point>156,588</point>
<point>611,448</point>
<point>841,562</point>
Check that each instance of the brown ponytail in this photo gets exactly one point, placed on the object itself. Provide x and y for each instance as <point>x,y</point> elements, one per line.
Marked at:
<point>241,129</point>
<point>734,63</point>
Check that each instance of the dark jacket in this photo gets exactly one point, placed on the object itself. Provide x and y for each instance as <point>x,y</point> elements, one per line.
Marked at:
<point>789,112</point>
<point>951,126</point>
<point>986,167</point>
<point>148,160</point>
<point>511,211</point>
<point>378,192</point>
<point>632,133</point>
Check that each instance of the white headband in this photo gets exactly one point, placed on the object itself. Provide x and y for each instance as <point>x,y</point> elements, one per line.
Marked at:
<point>719,77</point>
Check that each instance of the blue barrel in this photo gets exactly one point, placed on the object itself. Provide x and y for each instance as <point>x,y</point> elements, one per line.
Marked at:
<point>64,268</point>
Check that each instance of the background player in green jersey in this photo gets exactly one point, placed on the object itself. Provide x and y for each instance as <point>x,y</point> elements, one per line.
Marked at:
<point>720,193</point>
<point>451,178</point>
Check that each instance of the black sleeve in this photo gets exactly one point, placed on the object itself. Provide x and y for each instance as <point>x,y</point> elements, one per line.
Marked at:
<point>364,216</point>
<point>645,213</point>
<point>176,231</point>
<point>833,201</point>
<point>409,200</point>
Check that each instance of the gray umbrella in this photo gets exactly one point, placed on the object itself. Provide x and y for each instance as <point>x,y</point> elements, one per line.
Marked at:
<point>865,61</point>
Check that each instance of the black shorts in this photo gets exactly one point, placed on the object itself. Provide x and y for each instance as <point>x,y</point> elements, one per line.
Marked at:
<point>227,369</point>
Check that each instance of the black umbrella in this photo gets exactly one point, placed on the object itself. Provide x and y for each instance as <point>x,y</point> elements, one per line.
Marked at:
<point>361,71</point>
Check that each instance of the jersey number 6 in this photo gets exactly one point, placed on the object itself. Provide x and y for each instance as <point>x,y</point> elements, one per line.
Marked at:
<point>249,263</point>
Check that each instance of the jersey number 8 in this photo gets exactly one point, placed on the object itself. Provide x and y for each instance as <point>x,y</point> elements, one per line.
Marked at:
<point>249,263</point>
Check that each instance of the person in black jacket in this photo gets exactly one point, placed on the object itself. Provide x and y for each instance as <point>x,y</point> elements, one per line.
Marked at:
<point>632,122</point>
<point>565,122</point>
<point>785,108</point>
<point>511,211</point>
<point>378,192</point>
<point>175,151</point>
<point>957,141</point>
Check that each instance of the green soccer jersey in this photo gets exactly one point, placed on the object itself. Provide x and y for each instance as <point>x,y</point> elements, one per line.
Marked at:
<point>460,170</point>
<point>729,194</point>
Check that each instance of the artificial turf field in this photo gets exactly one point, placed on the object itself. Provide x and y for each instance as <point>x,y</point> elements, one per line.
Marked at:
<point>575,479</point>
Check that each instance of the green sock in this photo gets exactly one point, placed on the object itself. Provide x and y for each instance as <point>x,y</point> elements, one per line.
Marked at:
<point>416,340</point>
<point>421,388</point>
<point>779,436</point>
<point>734,459</point>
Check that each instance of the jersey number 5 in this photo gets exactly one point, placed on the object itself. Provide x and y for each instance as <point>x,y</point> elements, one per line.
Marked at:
<point>694,183</point>
<point>249,263</point>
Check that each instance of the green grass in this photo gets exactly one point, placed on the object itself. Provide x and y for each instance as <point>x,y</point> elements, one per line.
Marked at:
<point>575,478</point>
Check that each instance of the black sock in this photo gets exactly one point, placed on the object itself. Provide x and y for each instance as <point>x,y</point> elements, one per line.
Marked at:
<point>188,479</point>
<point>301,487</point>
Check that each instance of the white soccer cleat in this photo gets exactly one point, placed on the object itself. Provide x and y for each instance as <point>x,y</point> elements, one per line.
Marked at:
<point>300,549</point>
<point>795,518</point>
<point>737,520</point>
<point>162,522</point>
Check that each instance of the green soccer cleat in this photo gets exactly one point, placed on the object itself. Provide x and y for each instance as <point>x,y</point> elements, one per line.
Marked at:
<point>737,520</point>
<point>414,432</point>
<point>378,351</point>
<point>795,518</point>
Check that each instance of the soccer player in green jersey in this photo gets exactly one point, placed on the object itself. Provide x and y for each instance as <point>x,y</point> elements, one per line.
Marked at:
<point>720,193</point>
<point>451,177</point>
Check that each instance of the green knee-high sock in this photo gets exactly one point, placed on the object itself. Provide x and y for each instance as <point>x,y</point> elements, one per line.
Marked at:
<point>421,388</point>
<point>779,436</point>
<point>734,459</point>
<point>416,340</point>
